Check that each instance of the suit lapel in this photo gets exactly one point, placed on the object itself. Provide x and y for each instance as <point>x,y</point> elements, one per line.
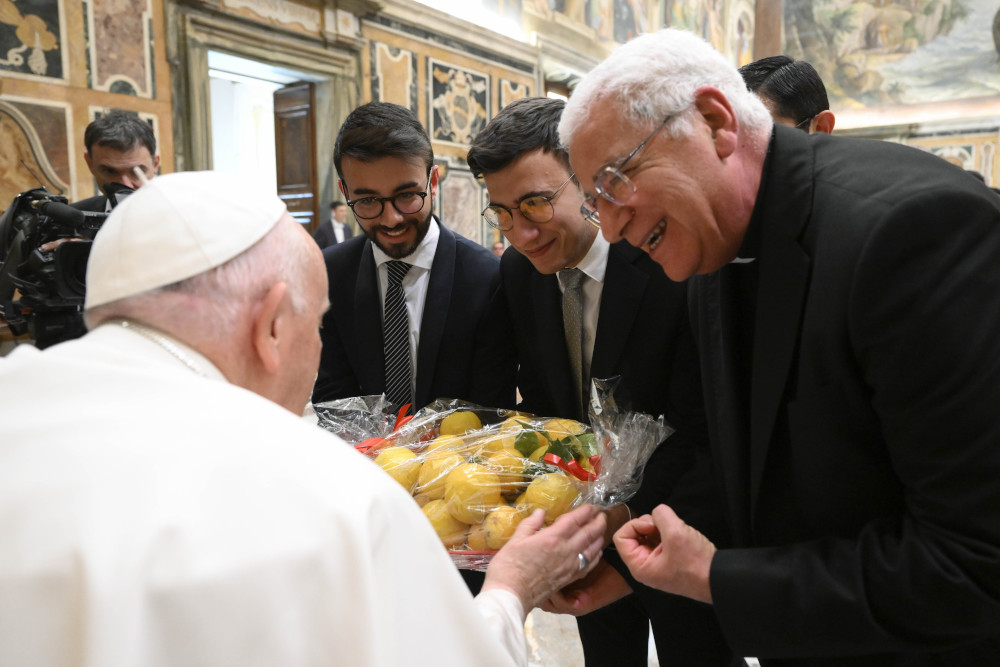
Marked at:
<point>714,317</point>
<point>432,321</point>
<point>368,324</point>
<point>621,297</point>
<point>784,278</point>
<point>551,346</point>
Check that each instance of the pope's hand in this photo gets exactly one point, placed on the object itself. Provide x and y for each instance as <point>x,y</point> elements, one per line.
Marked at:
<point>537,561</point>
<point>663,552</point>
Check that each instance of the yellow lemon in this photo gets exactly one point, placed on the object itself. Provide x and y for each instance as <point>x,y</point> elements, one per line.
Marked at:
<point>509,465</point>
<point>491,444</point>
<point>560,428</point>
<point>402,464</point>
<point>476,539</point>
<point>500,526</point>
<point>522,506</point>
<point>537,455</point>
<point>451,531</point>
<point>459,422</point>
<point>434,471</point>
<point>472,491</point>
<point>553,492</point>
<point>448,444</point>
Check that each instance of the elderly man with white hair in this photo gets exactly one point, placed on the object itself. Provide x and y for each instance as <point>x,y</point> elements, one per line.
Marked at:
<point>845,295</point>
<point>163,503</point>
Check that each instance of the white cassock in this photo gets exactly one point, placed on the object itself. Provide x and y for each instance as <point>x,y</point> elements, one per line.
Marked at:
<point>153,516</point>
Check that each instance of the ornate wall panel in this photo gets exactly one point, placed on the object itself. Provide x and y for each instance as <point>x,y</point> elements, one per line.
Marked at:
<point>119,50</point>
<point>33,39</point>
<point>459,102</point>
<point>35,148</point>
<point>394,75</point>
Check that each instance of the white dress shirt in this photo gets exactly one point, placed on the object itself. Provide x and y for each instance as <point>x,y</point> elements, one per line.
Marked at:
<point>415,284</point>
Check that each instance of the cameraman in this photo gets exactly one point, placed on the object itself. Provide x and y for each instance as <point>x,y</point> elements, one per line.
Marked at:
<point>121,149</point>
<point>121,154</point>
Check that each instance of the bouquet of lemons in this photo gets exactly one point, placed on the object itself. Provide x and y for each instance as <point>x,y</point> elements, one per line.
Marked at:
<point>477,472</point>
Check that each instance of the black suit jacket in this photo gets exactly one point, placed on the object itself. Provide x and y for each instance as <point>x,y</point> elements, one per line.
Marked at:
<point>462,351</point>
<point>325,236</point>
<point>644,336</point>
<point>864,481</point>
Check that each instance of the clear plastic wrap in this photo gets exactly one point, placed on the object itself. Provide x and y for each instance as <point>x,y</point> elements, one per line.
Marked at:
<point>476,472</point>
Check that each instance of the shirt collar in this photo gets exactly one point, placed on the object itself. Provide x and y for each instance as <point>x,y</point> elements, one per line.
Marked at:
<point>595,263</point>
<point>423,254</point>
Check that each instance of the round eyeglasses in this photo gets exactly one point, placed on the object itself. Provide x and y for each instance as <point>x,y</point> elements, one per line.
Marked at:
<point>369,208</point>
<point>537,209</point>
<point>612,184</point>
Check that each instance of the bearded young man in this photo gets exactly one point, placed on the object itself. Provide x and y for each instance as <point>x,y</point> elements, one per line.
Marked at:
<point>411,302</point>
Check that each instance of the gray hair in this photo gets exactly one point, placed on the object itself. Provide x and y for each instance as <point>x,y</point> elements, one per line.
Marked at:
<point>657,74</point>
<point>220,298</point>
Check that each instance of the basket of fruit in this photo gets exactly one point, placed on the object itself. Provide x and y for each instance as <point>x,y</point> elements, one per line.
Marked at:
<point>477,472</point>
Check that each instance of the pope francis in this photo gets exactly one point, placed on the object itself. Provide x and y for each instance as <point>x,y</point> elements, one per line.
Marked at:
<point>162,502</point>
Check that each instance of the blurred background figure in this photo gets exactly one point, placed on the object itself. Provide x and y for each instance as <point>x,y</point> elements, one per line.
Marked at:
<point>792,91</point>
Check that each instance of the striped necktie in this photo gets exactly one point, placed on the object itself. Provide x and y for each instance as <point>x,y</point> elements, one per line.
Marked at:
<point>396,333</point>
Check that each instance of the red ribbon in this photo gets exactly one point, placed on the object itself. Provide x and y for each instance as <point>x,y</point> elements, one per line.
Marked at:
<point>573,467</point>
<point>372,445</point>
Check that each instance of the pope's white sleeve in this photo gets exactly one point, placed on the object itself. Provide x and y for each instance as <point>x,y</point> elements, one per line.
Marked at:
<point>505,616</point>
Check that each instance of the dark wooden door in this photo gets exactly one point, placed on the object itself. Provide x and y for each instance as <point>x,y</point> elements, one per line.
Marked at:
<point>295,146</point>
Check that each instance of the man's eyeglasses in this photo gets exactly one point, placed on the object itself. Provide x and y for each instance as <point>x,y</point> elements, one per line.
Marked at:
<point>612,184</point>
<point>537,209</point>
<point>369,208</point>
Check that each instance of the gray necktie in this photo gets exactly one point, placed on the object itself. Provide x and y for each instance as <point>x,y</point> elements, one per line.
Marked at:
<point>572,305</point>
<point>396,333</point>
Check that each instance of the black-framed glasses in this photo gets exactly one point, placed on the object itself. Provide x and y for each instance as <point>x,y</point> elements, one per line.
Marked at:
<point>612,184</point>
<point>537,209</point>
<point>369,208</point>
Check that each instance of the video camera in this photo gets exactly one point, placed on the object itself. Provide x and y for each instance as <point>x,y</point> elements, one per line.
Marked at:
<point>50,283</point>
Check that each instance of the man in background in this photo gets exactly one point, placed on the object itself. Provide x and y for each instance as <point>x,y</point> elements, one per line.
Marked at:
<point>120,150</point>
<point>582,308</point>
<point>792,91</point>
<point>337,230</point>
<point>498,248</point>
<point>162,501</point>
<point>411,302</point>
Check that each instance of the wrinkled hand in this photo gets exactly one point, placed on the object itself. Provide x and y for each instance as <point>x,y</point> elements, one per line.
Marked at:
<point>663,552</point>
<point>52,245</point>
<point>538,561</point>
<point>599,588</point>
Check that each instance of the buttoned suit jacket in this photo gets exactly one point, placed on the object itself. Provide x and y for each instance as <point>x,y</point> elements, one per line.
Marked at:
<point>864,490</point>
<point>462,353</point>
<point>644,338</point>
<point>325,236</point>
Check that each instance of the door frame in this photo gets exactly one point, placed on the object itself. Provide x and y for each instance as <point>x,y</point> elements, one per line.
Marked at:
<point>191,34</point>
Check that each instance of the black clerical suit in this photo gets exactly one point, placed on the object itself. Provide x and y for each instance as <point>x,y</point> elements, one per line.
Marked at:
<point>644,336</point>
<point>859,443</point>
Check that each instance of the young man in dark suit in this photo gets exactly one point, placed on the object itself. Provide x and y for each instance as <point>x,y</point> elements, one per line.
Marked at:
<point>846,300</point>
<point>580,309</point>
<point>411,302</point>
<point>335,230</point>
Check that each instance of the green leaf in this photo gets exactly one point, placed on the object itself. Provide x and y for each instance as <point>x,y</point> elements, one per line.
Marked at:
<point>526,442</point>
<point>562,449</point>
<point>587,445</point>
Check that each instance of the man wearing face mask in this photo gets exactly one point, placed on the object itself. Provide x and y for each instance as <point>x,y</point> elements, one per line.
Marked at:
<point>411,302</point>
